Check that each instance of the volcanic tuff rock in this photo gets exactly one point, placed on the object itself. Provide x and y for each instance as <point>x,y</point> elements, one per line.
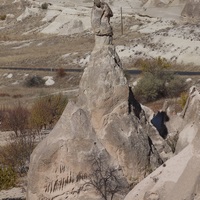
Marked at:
<point>100,122</point>
<point>191,10</point>
<point>177,178</point>
<point>106,120</point>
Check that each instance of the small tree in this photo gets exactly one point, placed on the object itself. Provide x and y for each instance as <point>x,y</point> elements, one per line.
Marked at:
<point>16,153</point>
<point>47,110</point>
<point>104,178</point>
<point>16,119</point>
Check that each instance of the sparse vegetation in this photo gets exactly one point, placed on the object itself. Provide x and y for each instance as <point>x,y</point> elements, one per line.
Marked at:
<point>15,119</point>
<point>47,110</point>
<point>34,81</point>
<point>25,126</point>
<point>16,154</point>
<point>7,177</point>
<point>104,179</point>
<point>183,99</point>
<point>16,96</point>
<point>61,72</point>
<point>157,81</point>
<point>2,17</point>
<point>44,6</point>
<point>175,86</point>
<point>4,95</point>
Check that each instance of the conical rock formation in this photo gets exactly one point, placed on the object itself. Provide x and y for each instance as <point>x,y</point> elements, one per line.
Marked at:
<point>191,10</point>
<point>105,120</point>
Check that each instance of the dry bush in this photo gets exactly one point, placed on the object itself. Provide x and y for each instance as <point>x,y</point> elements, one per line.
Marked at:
<point>183,99</point>
<point>2,17</point>
<point>16,96</point>
<point>4,95</point>
<point>7,177</point>
<point>175,86</point>
<point>47,110</point>
<point>15,119</point>
<point>61,73</point>
<point>104,178</point>
<point>16,154</point>
<point>34,81</point>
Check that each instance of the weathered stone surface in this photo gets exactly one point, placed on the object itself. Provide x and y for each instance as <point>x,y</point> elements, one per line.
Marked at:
<point>178,178</point>
<point>100,18</point>
<point>100,120</point>
<point>191,10</point>
<point>107,120</point>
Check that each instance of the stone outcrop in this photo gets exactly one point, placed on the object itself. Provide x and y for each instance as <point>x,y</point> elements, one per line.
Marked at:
<point>177,178</point>
<point>105,120</point>
<point>191,11</point>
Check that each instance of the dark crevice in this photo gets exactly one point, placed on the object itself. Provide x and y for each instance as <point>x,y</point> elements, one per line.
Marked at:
<point>133,105</point>
<point>158,122</point>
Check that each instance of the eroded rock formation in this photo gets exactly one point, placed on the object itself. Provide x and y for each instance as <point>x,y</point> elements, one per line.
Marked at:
<point>106,120</point>
<point>177,178</point>
<point>191,10</point>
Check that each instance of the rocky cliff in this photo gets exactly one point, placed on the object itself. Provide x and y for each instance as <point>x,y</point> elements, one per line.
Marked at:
<point>177,178</point>
<point>106,120</point>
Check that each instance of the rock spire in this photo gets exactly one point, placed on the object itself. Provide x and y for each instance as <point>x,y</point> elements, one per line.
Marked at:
<point>102,121</point>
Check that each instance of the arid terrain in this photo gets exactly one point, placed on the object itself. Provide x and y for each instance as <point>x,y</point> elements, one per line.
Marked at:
<point>32,37</point>
<point>59,37</point>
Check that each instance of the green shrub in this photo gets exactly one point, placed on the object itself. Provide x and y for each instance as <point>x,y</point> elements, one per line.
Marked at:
<point>7,177</point>
<point>149,88</point>
<point>44,6</point>
<point>34,81</point>
<point>157,81</point>
<point>2,17</point>
<point>175,86</point>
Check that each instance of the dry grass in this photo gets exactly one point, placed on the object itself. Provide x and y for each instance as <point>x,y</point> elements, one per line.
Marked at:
<point>158,105</point>
<point>11,94</point>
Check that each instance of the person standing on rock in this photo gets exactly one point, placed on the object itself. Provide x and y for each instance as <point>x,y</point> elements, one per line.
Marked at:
<point>101,14</point>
